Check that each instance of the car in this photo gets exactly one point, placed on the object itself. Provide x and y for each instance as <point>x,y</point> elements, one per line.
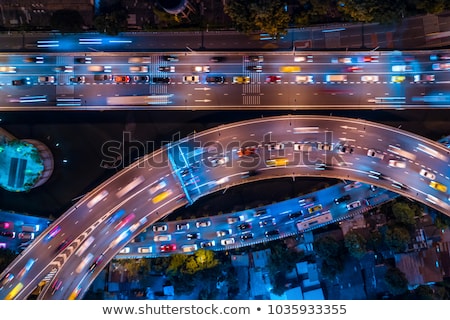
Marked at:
<point>170,58</point>
<point>222,233</point>
<point>370,78</point>
<point>215,79</point>
<point>352,185</point>
<point>315,208</point>
<point>217,59</point>
<point>255,68</point>
<point>141,79</point>
<point>138,68</point>
<point>275,146</point>
<point>375,174</point>
<point>103,77</point>
<point>342,199</point>
<point>161,184</point>
<point>139,60</point>
<point>398,79</point>
<point>427,174</point>
<point>246,236</point>
<point>83,60</point>
<point>7,69</point>
<point>6,279</point>
<point>424,77</point>
<point>144,250</point>
<point>159,227</point>
<point>122,79</point>
<point>259,212</point>
<point>373,187</point>
<point>368,59</point>
<point>46,79</point>
<point>56,285</point>
<point>5,225</point>
<point>441,66</point>
<point>189,248</point>
<point>244,226</point>
<point>254,58</point>
<point>354,69</point>
<point>99,68</point>
<point>63,245</point>
<point>207,244</point>
<point>401,68</point>
<point>165,80</point>
<point>324,146</point>
<point>64,69</point>
<point>247,151</point>
<point>271,233</point>
<point>21,82</point>
<point>201,69</point>
<point>34,59</point>
<point>183,226</point>
<point>353,205</point>
<point>273,79</point>
<point>342,60</point>
<point>122,223</point>
<point>166,68</point>
<point>125,250</point>
<point>290,69</point>
<point>168,247</point>
<point>78,79</point>
<point>304,79</point>
<point>193,236</point>
<point>304,147</point>
<point>440,56</point>
<point>234,219</point>
<point>8,234</point>
<point>397,163</point>
<point>226,242</point>
<point>96,263</point>
<point>438,186</point>
<point>191,79</point>
<point>267,222</point>
<point>320,166</point>
<point>52,233</point>
<point>162,237</point>
<point>241,80</point>
<point>375,154</point>
<point>203,223</point>
<point>344,148</point>
<point>295,215</point>
<point>218,161</point>
<point>303,58</point>
<point>26,235</point>
<point>399,185</point>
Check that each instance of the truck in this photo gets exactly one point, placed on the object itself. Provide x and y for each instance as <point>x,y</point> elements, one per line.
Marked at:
<point>336,77</point>
<point>30,228</point>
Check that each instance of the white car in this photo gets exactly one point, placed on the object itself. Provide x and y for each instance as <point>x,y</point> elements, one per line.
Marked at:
<point>189,248</point>
<point>370,78</point>
<point>325,146</point>
<point>232,220</point>
<point>201,69</point>
<point>163,237</point>
<point>401,68</point>
<point>215,162</point>
<point>397,163</point>
<point>304,79</point>
<point>159,228</point>
<point>45,79</point>
<point>139,69</point>
<point>144,249</point>
<point>427,174</point>
<point>375,154</point>
<point>353,205</point>
<point>203,223</point>
<point>125,250</point>
<point>228,241</point>
<point>7,69</point>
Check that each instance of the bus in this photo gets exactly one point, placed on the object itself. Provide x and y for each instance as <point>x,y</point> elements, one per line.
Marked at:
<point>157,99</point>
<point>160,197</point>
<point>84,246</point>
<point>11,295</point>
<point>314,222</point>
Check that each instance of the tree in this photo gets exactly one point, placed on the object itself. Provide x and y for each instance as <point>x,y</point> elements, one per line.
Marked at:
<point>332,254</point>
<point>112,23</point>
<point>397,238</point>
<point>356,244</point>
<point>67,20</point>
<point>241,14</point>
<point>396,281</point>
<point>404,213</point>
<point>432,6</point>
<point>373,10</point>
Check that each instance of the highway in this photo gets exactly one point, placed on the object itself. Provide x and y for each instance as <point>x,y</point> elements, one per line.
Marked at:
<point>208,161</point>
<point>283,81</point>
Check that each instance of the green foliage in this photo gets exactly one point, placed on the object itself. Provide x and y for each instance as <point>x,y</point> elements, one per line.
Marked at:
<point>432,6</point>
<point>356,244</point>
<point>396,281</point>
<point>67,20</point>
<point>404,213</point>
<point>332,254</point>
<point>112,23</point>
<point>397,238</point>
<point>372,10</point>
<point>258,15</point>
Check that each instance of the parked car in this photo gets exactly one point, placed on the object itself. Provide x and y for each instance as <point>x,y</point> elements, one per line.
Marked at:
<point>46,79</point>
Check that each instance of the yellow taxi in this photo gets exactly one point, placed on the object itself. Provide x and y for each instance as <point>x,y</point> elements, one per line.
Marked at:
<point>438,186</point>
<point>315,208</point>
<point>278,162</point>
<point>241,79</point>
<point>290,69</point>
<point>398,79</point>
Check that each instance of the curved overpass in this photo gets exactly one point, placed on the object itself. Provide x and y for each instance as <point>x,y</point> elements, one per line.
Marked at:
<point>188,169</point>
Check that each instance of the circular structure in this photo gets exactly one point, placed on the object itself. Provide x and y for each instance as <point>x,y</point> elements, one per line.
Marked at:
<point>173,6</point>
<point>25,164</point>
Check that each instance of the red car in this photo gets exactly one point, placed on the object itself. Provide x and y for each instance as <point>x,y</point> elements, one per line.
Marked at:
<point>354,69</point>
<point>273,79</point>
<point>168,247</point>
<point>122,79</point>
<point>370,59</point>
<point>246,151</point>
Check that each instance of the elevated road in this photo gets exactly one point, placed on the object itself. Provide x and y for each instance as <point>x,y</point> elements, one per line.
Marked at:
<point>112,214</point>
